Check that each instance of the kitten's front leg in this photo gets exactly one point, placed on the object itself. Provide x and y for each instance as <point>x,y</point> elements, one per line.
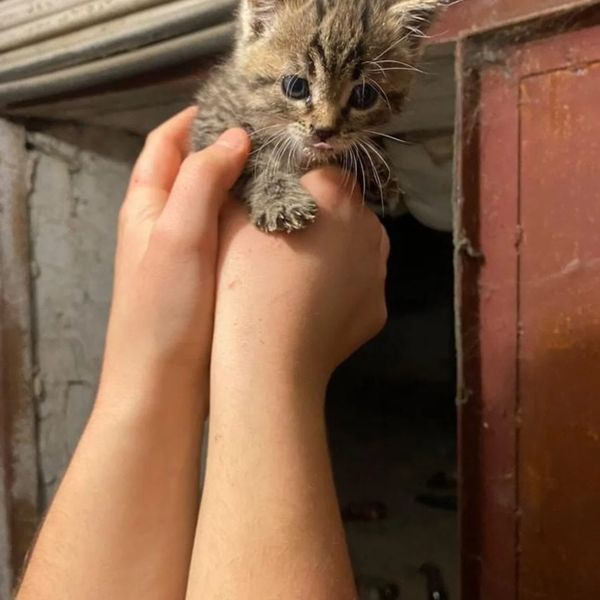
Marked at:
<point>279,203</point>
<point>383,193</point>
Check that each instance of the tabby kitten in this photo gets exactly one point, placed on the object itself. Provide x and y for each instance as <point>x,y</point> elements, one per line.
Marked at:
<point>313,82</point>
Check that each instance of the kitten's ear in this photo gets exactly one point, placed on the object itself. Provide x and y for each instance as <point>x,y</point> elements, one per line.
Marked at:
<point>416,16</point>
<point>256,16</point>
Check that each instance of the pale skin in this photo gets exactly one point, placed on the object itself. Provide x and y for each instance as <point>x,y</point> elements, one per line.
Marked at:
<point>203,301</point>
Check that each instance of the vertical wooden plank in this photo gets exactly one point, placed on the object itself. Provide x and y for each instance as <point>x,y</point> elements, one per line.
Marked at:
<point>500,235</point>
<point>560,348</point>
<point>18,416</point>
<point>530,421</point>
<point>488,415</point>
<point>467,320</point>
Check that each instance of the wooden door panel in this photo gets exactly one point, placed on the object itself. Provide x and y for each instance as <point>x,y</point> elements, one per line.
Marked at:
<point>529,252</point>
<point>559,293</point>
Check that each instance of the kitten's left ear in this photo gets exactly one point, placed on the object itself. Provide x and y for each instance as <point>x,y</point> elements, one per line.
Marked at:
<point>257,15</point>
<point>416,16</point>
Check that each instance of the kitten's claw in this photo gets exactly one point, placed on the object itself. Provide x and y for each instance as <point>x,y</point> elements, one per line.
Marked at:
<point>285,217</point>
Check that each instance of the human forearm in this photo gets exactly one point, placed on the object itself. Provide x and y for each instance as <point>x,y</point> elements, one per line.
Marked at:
<point>289,310</point>
<point>121,525</point>
<point>269,525</point>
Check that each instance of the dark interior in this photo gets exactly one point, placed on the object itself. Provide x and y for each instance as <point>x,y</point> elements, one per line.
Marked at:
<point>392,423</point>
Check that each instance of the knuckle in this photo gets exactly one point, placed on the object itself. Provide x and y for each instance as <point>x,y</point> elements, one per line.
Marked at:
<point>202,163</point>
<point>370,220</point>
<point>166,239</point>
<point>171,240</point>
<point>125,217</point>
<point>156,136</point>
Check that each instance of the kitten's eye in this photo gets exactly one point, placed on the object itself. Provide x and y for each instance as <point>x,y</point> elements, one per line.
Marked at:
<point>363,97</point>
<point>295,87</point>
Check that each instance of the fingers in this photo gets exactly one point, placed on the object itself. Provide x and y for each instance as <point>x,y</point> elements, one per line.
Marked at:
<point>150,185</point>
<point>333,189</point>
<point>338,194</point>
<point>163,153</point>
<point>203,184</point>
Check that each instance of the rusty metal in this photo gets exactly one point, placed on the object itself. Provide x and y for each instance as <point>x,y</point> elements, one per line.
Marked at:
<point>559,300</point>
<point>465,18</point>
<point>528,197</point>
<point>489,190</point>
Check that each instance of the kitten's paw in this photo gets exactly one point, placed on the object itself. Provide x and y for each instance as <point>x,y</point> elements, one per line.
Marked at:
<point>387,201</point>
<point>287,217</point>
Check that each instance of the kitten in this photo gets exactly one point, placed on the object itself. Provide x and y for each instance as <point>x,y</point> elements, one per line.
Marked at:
<point>313,81</point>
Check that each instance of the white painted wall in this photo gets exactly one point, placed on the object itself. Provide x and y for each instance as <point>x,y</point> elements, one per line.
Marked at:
<point>78,184</point>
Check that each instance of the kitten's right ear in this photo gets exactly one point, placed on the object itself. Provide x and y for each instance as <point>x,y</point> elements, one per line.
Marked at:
<point>257,16</point>
<point>416,16</point>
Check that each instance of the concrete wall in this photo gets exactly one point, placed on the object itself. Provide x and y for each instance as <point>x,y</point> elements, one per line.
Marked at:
<point>77,187</point>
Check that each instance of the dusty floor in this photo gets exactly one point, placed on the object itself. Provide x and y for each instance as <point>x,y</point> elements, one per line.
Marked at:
<point>389,457</point>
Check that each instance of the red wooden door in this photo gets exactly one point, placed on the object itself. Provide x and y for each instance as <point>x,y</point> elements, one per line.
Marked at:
<point>531,521</point>
<point>559,382</point>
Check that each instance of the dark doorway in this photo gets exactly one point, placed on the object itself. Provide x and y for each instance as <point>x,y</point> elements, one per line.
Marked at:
<point>392,423</point>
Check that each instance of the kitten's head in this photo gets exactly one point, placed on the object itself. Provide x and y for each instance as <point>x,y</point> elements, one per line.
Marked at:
<point>325,74</point>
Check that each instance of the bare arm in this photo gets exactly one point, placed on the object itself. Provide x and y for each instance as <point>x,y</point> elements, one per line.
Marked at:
<point>289,310</point>
<point>121,525</point>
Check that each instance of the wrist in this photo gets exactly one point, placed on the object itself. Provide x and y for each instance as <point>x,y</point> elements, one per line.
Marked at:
<point>152,392</point>
<point>267,375</point>
<point>260,409</point>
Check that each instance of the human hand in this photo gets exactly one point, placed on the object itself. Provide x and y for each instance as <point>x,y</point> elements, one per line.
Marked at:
<point>161,321</point>
<point>296,306</point>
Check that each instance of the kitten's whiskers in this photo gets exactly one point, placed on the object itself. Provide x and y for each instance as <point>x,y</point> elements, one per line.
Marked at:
<point>389,137</point>
<point>381,91</point>
<point>365,150</point>
<point>370,144</point>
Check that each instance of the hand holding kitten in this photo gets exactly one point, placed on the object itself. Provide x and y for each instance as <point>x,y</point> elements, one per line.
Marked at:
<point>297,306</point>
<point>292,306</point>
<point>163,304</point>
<point>307,301</point>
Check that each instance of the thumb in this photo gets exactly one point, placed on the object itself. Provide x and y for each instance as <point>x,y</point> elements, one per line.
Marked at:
<point>333,190</point>
<point>202,186</point>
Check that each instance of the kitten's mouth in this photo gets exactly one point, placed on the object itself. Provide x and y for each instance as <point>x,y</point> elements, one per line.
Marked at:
<point>322,151</point>
<point>323,146</point>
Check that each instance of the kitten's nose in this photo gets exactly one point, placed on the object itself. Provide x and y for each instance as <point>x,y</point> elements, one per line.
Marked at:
<point>323,135</point>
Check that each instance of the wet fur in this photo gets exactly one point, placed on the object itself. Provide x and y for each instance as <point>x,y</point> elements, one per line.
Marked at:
<point>335,45</point>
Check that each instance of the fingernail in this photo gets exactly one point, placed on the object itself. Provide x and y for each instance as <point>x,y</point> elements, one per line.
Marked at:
<point>233,139</point>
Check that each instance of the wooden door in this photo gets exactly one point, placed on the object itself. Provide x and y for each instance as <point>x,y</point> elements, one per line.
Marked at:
<point>530,276</point>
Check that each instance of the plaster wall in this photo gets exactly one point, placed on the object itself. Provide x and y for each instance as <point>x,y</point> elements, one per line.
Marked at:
<point>77,187</point>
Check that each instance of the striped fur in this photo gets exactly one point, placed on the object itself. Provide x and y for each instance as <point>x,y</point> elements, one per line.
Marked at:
<point>336,45</point>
